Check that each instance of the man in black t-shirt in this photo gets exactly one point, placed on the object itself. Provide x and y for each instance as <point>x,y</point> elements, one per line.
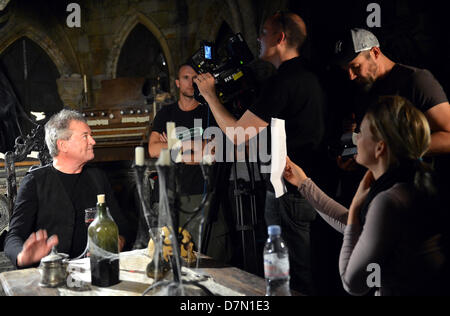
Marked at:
<point>294,95</point>
<point>360,55</point>
<point>191,120</point>
<point>358,52</point>
<point>189,127</point>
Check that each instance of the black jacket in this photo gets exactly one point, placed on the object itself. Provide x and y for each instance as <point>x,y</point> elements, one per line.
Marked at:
<point>43,203</point>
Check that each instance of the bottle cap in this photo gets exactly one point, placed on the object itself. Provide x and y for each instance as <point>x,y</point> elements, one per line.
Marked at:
<point>101,199</point>
<point>274,230</point>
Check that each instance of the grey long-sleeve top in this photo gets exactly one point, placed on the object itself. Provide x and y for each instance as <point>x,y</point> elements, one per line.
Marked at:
<point>395,237</point>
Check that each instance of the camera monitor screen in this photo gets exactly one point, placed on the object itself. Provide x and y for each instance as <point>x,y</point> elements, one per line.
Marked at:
<point>208,54</point>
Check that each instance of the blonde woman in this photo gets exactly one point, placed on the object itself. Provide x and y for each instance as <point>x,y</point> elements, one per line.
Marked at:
<point>392,230</point>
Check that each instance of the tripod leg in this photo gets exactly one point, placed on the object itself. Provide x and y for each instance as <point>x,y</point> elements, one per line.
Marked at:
<point>239,215</point>
<point>250,169</point>
<point>207,235</point>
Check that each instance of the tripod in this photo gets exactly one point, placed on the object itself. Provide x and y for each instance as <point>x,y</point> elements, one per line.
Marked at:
<point>245,227</point>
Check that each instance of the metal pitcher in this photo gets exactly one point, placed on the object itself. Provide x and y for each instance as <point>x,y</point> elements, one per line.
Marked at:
<point>53,269</point>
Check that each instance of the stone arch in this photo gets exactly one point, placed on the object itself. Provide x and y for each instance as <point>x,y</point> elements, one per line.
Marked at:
<point>217,13</point>
<point>238,15</point>
<point>122,36</point>
<point>41,39</point>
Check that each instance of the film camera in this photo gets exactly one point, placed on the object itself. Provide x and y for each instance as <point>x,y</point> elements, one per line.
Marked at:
<point>235,81</point>
<point>348,143</point>
<point>344,147</point>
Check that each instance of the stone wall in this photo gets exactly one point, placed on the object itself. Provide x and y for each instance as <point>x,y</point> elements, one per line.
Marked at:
<point>94,48</point>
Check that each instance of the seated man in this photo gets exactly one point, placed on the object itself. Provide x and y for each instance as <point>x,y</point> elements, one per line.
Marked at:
<point>52,199</point>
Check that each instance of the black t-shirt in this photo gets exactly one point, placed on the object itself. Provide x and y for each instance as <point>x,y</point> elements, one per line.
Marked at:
<point>417,85</point>
<point>188,125</point>
<point>295,95</point>
<point>173,113</point>
<point>71,183</point>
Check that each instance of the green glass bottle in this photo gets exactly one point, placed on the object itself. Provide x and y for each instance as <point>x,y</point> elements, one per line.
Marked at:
<point>104,247</point>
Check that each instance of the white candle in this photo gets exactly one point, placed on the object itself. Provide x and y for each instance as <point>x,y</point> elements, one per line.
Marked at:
<point>85,83</point>
<point>139,155</point>
<point>208,160</point>
<point>171,138</point>
<point>164,158</point>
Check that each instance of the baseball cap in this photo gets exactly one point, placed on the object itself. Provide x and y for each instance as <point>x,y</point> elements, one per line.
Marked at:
<point>352,43</point>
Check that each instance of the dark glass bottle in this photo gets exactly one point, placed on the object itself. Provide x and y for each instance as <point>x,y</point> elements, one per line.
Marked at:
<point>104,247</point>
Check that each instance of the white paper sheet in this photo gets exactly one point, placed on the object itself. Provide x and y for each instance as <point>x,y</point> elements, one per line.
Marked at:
<point>279,153</point>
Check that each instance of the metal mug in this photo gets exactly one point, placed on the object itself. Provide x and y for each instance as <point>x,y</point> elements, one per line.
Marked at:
<point>53,269</point>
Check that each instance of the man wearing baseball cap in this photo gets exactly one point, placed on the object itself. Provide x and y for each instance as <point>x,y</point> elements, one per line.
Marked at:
<point>359,53</point>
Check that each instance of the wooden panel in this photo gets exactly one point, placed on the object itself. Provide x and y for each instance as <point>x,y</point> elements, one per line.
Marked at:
<point>22,163</point>
<point>121,92</point>
<point>116,151</point>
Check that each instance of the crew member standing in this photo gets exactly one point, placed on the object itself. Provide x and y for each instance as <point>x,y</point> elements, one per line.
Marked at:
<point>293,94</point>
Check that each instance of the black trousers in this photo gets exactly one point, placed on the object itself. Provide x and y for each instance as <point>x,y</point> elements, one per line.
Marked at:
<point>294,214</point>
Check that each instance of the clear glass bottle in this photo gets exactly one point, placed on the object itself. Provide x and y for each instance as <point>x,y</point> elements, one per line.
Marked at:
<point>276,264</point>
<point>104,247</point>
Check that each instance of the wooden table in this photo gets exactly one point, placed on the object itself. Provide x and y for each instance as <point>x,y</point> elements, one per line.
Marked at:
<point>219,279</point>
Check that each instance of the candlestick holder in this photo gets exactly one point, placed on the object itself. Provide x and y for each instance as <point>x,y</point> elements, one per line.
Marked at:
<point>168,215</point>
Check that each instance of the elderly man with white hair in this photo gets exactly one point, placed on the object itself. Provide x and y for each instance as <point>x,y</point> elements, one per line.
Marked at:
<point>52,199</point>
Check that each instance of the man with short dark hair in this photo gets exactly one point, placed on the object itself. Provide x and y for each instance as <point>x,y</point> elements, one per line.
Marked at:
<point>359,53</point>
<point>191,119</point>
<point>183,113</point>
<point>294,95</point>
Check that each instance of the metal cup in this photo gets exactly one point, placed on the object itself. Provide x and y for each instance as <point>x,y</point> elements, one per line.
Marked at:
<point>53,269</point>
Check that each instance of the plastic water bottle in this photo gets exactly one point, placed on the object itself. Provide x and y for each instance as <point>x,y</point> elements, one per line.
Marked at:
<point>276,264</point>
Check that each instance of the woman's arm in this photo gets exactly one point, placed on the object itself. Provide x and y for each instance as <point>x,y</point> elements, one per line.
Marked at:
<point>370,245</point>
<point>331,211</point>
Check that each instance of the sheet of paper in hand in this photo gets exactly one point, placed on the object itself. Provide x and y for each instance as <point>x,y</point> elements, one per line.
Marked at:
<point>279,153</point>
